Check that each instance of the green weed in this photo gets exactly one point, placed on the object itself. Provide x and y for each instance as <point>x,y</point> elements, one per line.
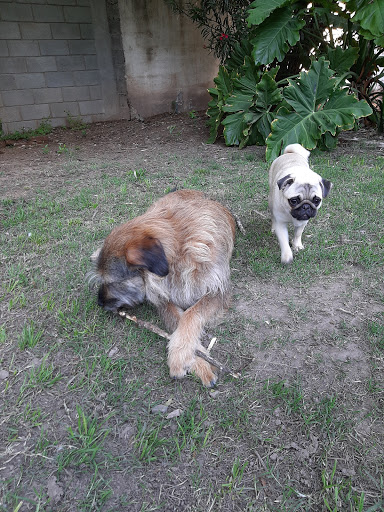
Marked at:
<point>192,433</point>
<point>234,481</point>
<point>30,336</point>
<point>43,375</point>
<point>339,495</point>
<point>3,334</point>
<point>97,494</point>
<point>62,149</point>
<point>86,441</point>
<point>149,444</point>
<point>44,128</point>
<point>376,332</point>
<point>75,123</point>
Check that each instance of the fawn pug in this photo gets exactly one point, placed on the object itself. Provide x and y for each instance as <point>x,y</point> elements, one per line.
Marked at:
<point>295,195</point>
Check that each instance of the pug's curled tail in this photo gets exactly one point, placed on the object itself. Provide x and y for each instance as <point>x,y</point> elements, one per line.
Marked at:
<point>297,148</point>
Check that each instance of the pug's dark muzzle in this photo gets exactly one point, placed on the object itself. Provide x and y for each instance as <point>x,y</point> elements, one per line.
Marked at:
<point>304,211</point>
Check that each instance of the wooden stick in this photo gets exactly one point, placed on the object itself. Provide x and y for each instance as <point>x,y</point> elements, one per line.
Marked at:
<point>239,224</point>
<point>163,334</point>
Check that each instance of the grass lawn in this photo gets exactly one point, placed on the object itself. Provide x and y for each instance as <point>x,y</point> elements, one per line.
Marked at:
<point>301,429</point>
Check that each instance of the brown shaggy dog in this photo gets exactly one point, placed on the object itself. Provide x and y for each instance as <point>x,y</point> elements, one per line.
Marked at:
<point>176,255</point>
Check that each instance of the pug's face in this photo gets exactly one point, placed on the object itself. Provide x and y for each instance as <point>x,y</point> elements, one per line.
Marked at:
<point>302,200</point>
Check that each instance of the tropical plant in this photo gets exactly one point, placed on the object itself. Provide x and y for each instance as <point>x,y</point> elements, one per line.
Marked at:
<point>300,72</point>
<point>316,109</point>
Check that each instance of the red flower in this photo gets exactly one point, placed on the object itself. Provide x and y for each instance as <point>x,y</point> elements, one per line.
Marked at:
<point>223,36</point>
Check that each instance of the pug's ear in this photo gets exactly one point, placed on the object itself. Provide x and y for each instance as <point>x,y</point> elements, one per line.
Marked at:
<point>326,186</point>
<point>285,182</point>
<point>147,253</point>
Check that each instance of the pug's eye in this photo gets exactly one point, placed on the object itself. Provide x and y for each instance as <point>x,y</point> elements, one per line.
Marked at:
<point>316,201</point>
<point>294,201</point>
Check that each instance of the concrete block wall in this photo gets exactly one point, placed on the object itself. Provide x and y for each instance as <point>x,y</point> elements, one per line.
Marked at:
<point>166,66</point>
<point>51,58</point>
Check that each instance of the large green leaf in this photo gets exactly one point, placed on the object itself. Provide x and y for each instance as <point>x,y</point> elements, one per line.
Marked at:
<point>234,127</point>
<point>238,102</point>
<point>370,15</point>
<point>238,54</point>
<point>259,10</point>
<point>311,89</point>
<point>267,91</point>
<point>249,76</point>
<point>249,108</point>
<point>223,82</point>
<point>258,128</point>
<point>244,88</point>
<point>341,60</point>
<point>275,35</point>
<point>263,126</point>
<point>220,93</point>
<point>317,106</point>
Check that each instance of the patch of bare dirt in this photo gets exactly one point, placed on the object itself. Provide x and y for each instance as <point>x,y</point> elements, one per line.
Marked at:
<point>41,162</point>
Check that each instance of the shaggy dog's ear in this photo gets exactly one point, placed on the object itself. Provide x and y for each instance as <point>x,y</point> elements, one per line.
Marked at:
<point>95,255</point>
<point>147,253</point>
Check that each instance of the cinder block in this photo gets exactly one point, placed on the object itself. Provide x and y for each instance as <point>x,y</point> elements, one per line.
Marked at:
<point>96,93</point>
<point>86,30</point>
<point>65,31</point>
<point>7,82</point>
<point>91,62</point>
<point>41,64</point>
<point>61,2</point>
<point>9,30</point>
<point>24,1</point>
<point>70,63</point>
<point>35,30</point>
<point>78,14</point>
<point>12,65</point>
<point>10,114</point>
<point>48,13</point>
<point>4,48</point>
<point>54,47</point>
<point>87,78</point>
<point>59,79</point>
<point>48,95</point>
<point>29,112</point>
<point>23,48</point>
<point>21,125</point>
<point>20,97</point>
<point>30,80</point>
<point>12,11</point>
<point>63,109</point>
<point>58,121</point>
<point>76,93</point>
<point>91,107</point>
<point>83,47</point>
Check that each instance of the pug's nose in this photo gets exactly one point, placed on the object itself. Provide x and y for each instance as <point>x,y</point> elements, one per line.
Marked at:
<point>306,206</point>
